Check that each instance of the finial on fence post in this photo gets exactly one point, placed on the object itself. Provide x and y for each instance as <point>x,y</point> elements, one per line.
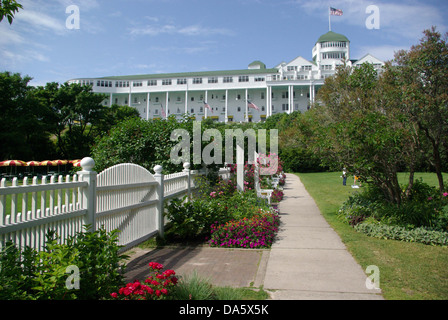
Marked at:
<point>87,164</point>
<point>160,193</point>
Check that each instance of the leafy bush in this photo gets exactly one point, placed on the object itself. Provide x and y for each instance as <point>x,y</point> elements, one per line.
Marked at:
<point>31,275</point>
<point>423,208</point>
<point>192,219</point>
<point>99,261</point>
<point>421,235</point>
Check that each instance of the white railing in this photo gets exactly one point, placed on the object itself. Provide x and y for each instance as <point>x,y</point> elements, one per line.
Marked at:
<point>28,211</point>
<point>125,197</point>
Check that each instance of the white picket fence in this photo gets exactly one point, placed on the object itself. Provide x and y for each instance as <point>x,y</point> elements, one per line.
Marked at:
<point>125,197</point>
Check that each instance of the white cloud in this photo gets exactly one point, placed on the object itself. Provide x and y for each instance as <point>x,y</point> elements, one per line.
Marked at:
<point>193,30</point>
<point>41,21</point>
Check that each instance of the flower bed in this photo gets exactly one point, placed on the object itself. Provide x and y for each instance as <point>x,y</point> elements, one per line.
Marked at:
<point>157,286</point>
<point>256,232</point>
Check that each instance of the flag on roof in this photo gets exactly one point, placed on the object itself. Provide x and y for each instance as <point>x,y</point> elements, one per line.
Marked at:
<point>208,106</point>
<point>251,105</point>
<point>335,12</point>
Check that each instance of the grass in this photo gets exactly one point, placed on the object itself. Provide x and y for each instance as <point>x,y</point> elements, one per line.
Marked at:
<point>195,287</point>
<point>408,271</point>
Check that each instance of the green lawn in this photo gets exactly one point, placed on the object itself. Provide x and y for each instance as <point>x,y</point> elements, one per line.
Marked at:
<point>408,271</point>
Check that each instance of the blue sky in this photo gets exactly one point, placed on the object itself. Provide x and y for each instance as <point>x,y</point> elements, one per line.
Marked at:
<point>118,37</point>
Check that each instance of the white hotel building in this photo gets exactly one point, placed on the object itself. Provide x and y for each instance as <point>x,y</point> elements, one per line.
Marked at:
<point>287,87</point>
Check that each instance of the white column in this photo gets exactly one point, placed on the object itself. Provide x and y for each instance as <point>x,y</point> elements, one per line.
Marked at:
<point>311,93</point>
<point>148,96</point>
<point>166,104</point>
<point>111,99</point>
<point>186,100</point>
<point>267,101</point>
<point>247,109</point>
<point>206,100</point>
<point>227,106</point>
<point>269,104</point>
<point>289,99</point>
<point>130,93</point>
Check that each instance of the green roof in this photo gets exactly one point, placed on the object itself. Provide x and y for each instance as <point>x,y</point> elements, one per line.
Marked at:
<point>332,36</point>
<point>258,63</point>
<point>192,74</point>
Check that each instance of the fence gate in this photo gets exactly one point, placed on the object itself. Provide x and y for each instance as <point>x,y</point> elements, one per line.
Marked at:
<point>127,200</point>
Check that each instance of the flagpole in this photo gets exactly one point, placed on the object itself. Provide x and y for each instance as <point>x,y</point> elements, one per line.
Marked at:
<point>329,19</point>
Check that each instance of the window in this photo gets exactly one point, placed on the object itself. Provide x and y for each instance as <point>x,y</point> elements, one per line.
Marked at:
<point>291,68</point>
<point>326,67</point>
<point>262,95</point>
<point>285,107</point>
<point>197,80</point>
<point>228,79</point>
<point>306,68</point>
<point>259,79</point>
<point>285,95</point>
<point>152,82</point>
<point>137,84</point>
<point>181,81</point>
<point>179,99</point>
<point>213,80</point>
<point>166,82</point>
<point>243,79</point>
<point>333,55</point>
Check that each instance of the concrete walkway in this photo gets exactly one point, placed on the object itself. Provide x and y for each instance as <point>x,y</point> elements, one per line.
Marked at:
<point>309,260</point>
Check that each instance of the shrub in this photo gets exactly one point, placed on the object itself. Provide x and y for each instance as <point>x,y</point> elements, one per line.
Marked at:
<point>99,263</point>
<point>32,275</point>
<point>423,208</point>
<point>421,235</point>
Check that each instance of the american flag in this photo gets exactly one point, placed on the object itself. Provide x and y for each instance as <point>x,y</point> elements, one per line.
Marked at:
<point>163,113</point>
<point>207,106</point>
<point>251,105</point>
<point>335,12</point>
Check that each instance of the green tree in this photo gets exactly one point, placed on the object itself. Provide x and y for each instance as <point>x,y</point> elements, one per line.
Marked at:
<point>74,111</point>
<point>422,78</point>
<point>357,127</point>
<point>23,134</point>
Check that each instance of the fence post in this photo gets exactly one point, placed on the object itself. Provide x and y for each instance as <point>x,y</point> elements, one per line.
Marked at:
<point>160,207</point>
<point>187,170</point>
<point>89,193</point>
